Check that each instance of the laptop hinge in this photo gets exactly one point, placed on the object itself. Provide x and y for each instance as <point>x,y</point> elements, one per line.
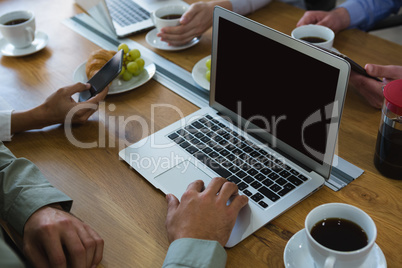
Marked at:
<point>265,142</point>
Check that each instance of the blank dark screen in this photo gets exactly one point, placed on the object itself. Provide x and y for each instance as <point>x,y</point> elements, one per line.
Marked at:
<point>272,81</point>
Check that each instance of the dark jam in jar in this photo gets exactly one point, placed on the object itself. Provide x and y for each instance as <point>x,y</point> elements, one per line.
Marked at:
<point>388,153</point>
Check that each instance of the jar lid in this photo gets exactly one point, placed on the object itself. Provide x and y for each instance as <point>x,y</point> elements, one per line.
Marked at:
<point>393,96</point>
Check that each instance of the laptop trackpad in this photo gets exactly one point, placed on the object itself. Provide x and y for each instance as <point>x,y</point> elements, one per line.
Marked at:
<point>176,179</point>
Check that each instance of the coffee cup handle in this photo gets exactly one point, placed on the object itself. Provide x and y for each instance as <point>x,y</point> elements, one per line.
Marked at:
<point>329,262</point>
<point>152,15</point>
<point>31,32</point>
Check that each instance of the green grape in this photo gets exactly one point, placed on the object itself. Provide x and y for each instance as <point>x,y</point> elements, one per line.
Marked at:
<point>133,64</point>
<point>127,75</point>
<point>140,63</point>
<point>134,54</point>
<point>132,67</point>
<point>124,47</point>
<point>138,72</point>
<point>208,75</point>
<point>208,64</point>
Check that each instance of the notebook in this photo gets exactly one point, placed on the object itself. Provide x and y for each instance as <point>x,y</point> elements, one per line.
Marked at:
<point>270,127</point>
<point>124,17</point>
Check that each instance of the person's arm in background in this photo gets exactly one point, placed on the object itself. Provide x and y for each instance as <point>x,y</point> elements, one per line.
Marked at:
<point>198,19</point>
<point>200,224</point>
<point>38,212</point>
<point>365,13</point>
<point>362,14</point>
<point>337,19</point>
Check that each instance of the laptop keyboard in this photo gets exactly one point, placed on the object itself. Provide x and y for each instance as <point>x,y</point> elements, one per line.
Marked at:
<point>257,173</point>
<point>126,12</point>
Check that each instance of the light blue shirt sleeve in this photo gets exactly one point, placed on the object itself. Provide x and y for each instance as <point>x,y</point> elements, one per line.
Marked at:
<point>244,7</point>
<point>365,13</point>
<point>189,252</point>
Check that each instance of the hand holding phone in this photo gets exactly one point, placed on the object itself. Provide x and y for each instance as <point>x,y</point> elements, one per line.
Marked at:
<point>355,67</point>
<point>103,77</point>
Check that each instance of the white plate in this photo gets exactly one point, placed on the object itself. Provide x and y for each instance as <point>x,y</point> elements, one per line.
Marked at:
<point>38,44</point>
<point>156,42</point>
<point>296,254</point>
<point>119,85</point>
<point>199,71</point>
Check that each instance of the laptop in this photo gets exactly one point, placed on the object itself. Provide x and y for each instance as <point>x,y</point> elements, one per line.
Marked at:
<point>124,17</point>
<point>271,125</point>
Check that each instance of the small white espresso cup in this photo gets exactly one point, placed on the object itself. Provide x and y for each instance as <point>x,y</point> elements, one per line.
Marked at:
<point>315,34</point>
<point>18,28</point>
<point>168,16</point>
<point>330,258</point>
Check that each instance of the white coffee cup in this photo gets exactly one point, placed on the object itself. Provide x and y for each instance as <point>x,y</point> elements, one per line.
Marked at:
<point>329,258</point>
<point>22,33</point>
<point>315,31</point>
<point>159,16</point>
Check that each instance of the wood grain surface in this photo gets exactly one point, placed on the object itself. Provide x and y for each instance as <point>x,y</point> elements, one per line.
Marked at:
<point>128,212</point>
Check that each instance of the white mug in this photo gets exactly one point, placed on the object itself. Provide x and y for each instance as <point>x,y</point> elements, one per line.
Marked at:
<point>160,22</point>
<point>317,31</point>
<point>329,258</point>
<point>22,33</point>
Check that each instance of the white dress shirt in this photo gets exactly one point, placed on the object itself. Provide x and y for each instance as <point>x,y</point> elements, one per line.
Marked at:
<point>5,120</point>
<point>244,7</point>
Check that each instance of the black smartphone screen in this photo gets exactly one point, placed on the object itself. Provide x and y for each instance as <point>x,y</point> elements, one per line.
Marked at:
<point>103,77</point>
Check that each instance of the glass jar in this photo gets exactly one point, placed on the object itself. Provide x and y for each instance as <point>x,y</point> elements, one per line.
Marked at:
<point>388,152</point>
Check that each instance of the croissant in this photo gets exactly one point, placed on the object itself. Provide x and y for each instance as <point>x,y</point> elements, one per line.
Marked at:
<point>96,60</point>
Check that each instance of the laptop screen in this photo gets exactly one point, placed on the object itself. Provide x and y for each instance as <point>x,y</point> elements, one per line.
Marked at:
<point>276,87</point>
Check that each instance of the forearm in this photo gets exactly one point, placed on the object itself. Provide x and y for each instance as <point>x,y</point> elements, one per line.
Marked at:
<point>35,118</point>
<point>342,20</point>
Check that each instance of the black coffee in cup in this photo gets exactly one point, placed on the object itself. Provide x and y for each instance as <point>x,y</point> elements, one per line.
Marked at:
<point>15,22</point>
<point>171,17</point>
<point>313,39</point>
<point>339,234</point>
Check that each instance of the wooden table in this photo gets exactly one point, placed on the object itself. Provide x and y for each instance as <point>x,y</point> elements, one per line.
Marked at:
<point>125,209</point>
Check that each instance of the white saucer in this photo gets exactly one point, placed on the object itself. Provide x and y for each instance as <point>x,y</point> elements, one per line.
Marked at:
<point>156,42</point>
<point>296,254</point>
<point>199,71</point>
<point>38,44</point>
<point>119,85</point>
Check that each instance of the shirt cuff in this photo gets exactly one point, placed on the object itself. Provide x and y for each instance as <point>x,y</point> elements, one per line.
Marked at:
<point>190,252</point>
<point>5,125</point>
<point>356,12</point>
<point>243,7</point>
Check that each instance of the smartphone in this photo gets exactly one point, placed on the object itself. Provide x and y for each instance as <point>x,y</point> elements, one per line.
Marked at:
<point>103,77</point>
<point>355,67</point>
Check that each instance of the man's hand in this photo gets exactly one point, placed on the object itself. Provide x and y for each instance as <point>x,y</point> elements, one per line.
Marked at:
<point>370,89</point>
<point>56,106</point>
<point>55,109</point>
<point>204,214</point>
<point>193,23</point>
<point>337,19</point>
<point>54,238</point>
